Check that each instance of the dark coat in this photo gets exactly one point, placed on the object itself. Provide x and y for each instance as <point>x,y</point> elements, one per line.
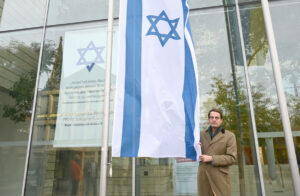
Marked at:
<point>213,178</point>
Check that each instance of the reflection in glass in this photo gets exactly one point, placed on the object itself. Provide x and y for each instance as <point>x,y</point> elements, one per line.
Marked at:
<point>222,82</point>
<point>286,33</point>
<point>65,151</point>
<point>204,3</point>
<point>1,8</point>
<point>71,11</point>
<point>219,53</point>
<point>65,160</point>
<point>19,54</point>
<point>119,176</point>
<point>277,177</point>
<point>18,14</point>
<point>285,23</point>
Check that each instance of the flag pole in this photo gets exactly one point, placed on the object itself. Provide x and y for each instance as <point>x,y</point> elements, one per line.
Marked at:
<point>133,175</point>
<point>104,148</point>
<point>281,97</point>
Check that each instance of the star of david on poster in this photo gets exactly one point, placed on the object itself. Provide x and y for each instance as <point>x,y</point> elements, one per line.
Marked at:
<point>153,30</point>
<point>90,62</point>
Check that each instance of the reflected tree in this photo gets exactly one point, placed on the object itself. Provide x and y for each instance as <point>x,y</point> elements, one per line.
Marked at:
<point>22,90</point>
<point>290,72</point>
<point>22,93</point>
<point>294,106</point>
<point>54,81</point>
<point>267,115</point>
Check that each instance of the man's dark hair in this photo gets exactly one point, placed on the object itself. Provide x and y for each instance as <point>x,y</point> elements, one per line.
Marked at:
<point>215,110</point>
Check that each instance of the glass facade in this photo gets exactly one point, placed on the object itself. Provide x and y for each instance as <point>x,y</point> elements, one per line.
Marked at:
<point>20,41</point>
<point>63,142</point>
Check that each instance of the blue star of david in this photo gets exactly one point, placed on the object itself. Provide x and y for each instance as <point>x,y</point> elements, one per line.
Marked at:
<point>90,63</point>
<point>153,30</point>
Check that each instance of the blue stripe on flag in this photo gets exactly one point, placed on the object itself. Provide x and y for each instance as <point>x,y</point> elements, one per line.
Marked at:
<point>189,94</point>
<point>132,97</point>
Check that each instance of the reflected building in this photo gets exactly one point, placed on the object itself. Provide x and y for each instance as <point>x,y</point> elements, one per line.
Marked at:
<point>44,38</point>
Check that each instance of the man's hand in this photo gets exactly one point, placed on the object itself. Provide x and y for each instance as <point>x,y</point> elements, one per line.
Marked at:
<point>206,158</point>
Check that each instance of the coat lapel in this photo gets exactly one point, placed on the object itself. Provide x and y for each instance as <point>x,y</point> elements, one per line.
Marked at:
<point>218,137</point>
<point>207,136</point>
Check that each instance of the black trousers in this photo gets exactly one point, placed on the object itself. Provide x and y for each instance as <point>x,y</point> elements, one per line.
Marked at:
<point>75,184</point>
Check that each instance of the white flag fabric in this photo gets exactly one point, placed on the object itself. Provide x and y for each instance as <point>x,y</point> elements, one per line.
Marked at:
<point>157,100</point>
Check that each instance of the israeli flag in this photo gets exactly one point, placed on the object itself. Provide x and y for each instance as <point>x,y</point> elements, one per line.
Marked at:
<point>157,100</point>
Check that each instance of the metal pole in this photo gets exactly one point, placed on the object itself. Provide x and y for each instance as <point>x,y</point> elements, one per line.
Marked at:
<point>250,101</point>
<point>35,99</point>
<point>133,176</point>
<point>229,16</point>
<point>281,97</point>
<point>104,148</point>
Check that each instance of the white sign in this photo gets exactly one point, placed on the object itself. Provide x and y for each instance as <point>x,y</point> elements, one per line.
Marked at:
<point>81,95</point>
<point>185,177</point>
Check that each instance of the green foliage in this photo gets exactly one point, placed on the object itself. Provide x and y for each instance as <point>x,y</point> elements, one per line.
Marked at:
<point>267,116</point>
<point>22,90</point>
<point>54,81</point>
<point>295,113</point>
<point>22,93</point>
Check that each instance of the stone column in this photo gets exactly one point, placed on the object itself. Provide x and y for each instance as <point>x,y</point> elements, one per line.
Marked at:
<point>271,158</point>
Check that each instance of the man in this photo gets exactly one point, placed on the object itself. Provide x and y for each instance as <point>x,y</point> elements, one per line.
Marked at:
<point>75,174</point>
<point>90,176</point>
<point>218,153</point>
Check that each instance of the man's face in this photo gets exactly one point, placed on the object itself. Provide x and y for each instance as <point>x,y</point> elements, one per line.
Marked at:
<point>215,119</point>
